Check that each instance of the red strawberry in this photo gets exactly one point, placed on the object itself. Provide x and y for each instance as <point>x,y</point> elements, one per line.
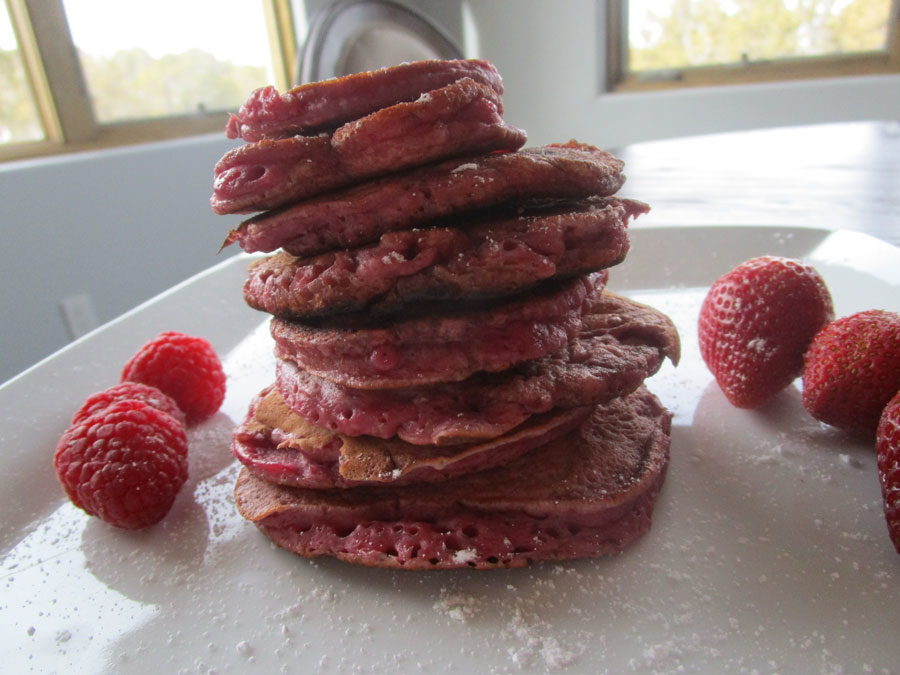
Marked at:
<point>755,324</point>
<point>887,447</point>
<point>853,369</point>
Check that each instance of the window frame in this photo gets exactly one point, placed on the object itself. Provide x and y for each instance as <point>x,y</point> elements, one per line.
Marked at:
<point>61,94</point>
<point>620,79</point>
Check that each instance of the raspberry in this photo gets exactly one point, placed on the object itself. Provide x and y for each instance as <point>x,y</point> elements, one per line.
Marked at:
<point>887,449</point>
<point>852,370</point>
<point>184,367</point>
<point>755,324</point>
<point>124,392</point>
<point>124,464</point>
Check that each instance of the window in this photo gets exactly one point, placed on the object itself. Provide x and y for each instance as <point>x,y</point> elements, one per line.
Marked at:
<point>83,74</point>
<point>21,122</point>
<point>669,43</point>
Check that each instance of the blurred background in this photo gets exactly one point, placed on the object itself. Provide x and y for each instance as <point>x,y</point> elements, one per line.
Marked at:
<point>113,112</point>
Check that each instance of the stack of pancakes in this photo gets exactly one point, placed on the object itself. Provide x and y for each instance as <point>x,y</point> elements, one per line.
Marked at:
<point>455,385</point>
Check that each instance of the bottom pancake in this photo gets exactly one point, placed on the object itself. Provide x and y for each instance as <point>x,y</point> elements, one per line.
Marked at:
<point>588,493</point>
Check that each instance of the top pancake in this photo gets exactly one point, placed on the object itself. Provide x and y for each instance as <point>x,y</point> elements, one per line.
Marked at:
<point>328,104</point>
<point>460,118</point>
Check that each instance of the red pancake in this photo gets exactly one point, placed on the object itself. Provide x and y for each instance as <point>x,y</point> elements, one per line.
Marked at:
<point>587,493</point>
<point>326,105</point>
<point>401,201</point>
<point>488,259</point>
<point>455,120</point>
<point>621,343</point>
<point>278,445</point>
<point>439,347</point>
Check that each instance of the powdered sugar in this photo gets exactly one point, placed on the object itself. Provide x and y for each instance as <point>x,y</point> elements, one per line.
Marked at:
<point>534,639</point>
<point>464,556</point>
<point>527,638</point>
<point>469,166</point>
<point>457,606</point>
<point>392,257</point>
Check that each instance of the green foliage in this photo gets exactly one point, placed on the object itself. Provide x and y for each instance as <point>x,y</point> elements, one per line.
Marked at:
<point>133,85</point>
<point>704,32</point>
<point>19,120</point>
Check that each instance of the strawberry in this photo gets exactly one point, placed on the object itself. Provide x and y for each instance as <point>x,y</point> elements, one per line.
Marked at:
<point>755,324</point>
<point>887,449</point>
<point>853,369</point>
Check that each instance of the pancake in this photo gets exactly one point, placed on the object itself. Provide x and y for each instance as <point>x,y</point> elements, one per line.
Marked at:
<point>621,343</point>
<point>278,445</point>
<point>497,257</point>
<point>326,105</point>
<point>460,118</point>
<point>436,347</point>
<point>588,493</point>
<point>361,213</point>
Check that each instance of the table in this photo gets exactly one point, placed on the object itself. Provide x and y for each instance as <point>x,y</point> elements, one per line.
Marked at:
<point>834,176</point>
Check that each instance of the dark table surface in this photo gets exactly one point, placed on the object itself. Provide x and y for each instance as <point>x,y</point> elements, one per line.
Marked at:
<point>835,176</point>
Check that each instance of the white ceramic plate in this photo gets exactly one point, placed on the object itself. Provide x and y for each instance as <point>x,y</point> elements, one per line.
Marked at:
<point>768,552</point>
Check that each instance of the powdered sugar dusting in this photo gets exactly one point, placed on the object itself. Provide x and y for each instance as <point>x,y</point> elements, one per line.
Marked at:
<point>534,639</point>
<point>457,606</point>
<point>392,257</point>
<point>469,166</point>
<point>527,637</point>
<point>465,556</point>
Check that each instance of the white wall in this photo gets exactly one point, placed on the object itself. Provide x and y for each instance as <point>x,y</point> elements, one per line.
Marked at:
<point>120,225</point>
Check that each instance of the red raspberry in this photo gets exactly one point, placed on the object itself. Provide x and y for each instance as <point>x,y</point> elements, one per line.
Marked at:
<point>887,448</point>
<point>755,324</point>
<point>124,392</point>
<point>184,367</point>
<point>853,369</point>
<point>124,464</point>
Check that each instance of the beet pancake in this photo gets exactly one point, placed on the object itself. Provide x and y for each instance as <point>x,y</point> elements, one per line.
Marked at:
<point>621,343</point>
<point>485,260</point>
<point>324,106</point>
<point>439,347</point>
<point>588,493</point>
<point>278,445</point>
<point>362,213</point>
<point>460,118</point>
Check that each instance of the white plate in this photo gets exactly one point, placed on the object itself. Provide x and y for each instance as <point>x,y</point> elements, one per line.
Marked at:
<point>768,552</point>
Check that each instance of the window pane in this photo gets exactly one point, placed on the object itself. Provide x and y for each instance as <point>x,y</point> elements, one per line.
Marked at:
<point>169,57</point>
<point>19,120</point>
<point>667,34</point>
